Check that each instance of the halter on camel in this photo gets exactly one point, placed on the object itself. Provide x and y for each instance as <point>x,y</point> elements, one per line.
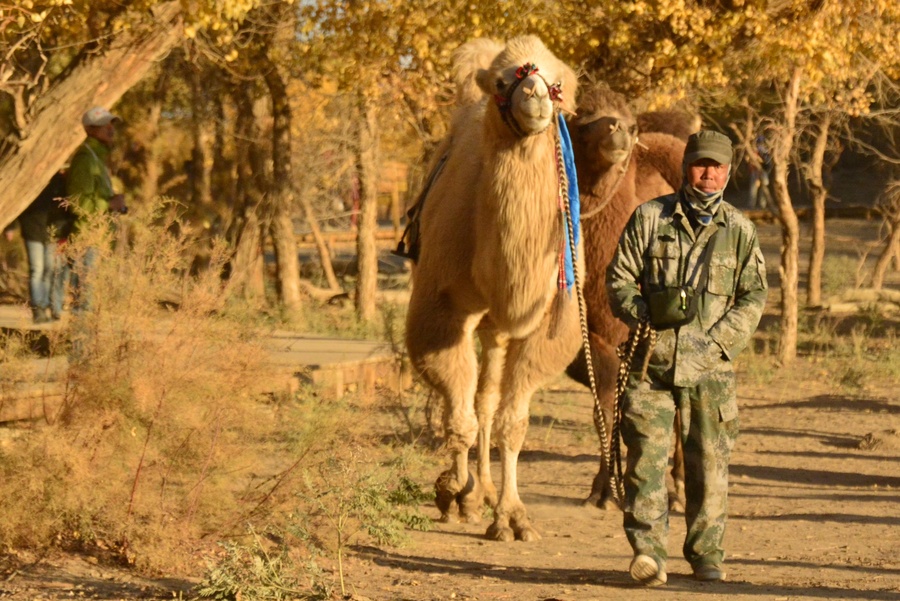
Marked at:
<point>504,101</point>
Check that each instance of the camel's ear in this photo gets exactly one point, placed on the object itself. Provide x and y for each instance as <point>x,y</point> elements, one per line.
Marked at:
<point>484,78</point>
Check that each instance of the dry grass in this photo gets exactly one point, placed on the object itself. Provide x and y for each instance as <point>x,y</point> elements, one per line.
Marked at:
<point>162,445</point>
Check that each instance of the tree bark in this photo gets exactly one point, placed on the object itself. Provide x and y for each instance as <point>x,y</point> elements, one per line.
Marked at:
<point>55,131</point>
<point>887,253</point>
<point>815,178</point>
<point>790,229</point>
<point>282,197</point>
<point>367,170</point>
<point>246,277</point>
<point>321,246</point>
<point>203,136</point>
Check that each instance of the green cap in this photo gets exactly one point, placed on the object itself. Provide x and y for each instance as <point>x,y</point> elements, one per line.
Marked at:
<point>708,144</point>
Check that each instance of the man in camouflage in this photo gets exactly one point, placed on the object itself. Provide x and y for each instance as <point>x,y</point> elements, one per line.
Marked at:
<point>691,264</point>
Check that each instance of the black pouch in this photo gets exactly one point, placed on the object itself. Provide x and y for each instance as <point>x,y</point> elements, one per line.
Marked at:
<point>672,307</point>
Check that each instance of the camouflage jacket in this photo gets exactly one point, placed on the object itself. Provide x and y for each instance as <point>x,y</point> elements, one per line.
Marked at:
<point>656,250</point>
<point>88,182</point>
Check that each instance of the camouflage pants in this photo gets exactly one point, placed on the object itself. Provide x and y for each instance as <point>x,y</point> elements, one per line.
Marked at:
<point>709,429</point>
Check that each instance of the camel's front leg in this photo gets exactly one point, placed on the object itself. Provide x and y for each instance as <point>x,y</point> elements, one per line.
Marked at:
<point>530,363</point>
<point>487,398</point>
<point>456,486</point>
<point>518,385</point>
<point>510,518</point>
<point>442,347</point>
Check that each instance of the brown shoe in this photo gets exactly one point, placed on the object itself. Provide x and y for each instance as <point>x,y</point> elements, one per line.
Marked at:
<point>710,573</point>
<point>647,571</point>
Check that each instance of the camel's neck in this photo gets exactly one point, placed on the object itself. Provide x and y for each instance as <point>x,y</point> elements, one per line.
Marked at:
<point>524,182</point>
<point>518,229</point>
<point>600,184</point>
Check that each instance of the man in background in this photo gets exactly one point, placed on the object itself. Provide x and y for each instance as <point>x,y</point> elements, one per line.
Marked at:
<point>89,185</point>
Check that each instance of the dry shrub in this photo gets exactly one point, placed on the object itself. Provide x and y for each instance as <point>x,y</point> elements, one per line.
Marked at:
<point>164,440</point>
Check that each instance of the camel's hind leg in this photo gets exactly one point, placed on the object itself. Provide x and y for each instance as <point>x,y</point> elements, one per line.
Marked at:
<point>493,354</point>
<point>606,368</point>
<point>676,495</point>
<point>530,363</point>
<point>441,347</point>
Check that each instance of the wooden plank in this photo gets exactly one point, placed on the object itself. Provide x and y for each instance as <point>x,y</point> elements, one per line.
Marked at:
<point>31,401</point>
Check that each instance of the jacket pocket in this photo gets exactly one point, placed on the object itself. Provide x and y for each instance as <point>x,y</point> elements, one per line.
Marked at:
<point>721,275</point>
<point>664,264</point>
<point>728,410</point>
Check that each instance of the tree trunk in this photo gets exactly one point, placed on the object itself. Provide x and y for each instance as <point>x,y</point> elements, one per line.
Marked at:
<point>203,134</point>
<point>55,130</point>
<point>246,278</point>
<point>790,230</point>
<point>152,168</point>
<point>282,197</point>
<point>815,170</point>
<point>366,250</point>
<point>884,259</point>
<point>321,246</point>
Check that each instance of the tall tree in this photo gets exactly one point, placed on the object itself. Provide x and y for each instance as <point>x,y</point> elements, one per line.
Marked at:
<point>47,111</point>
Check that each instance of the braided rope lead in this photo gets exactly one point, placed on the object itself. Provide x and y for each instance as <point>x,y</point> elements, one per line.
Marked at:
<point>606,442</point>
<point>626,351</point>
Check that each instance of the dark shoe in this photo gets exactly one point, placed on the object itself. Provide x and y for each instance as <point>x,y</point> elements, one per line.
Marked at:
<point>647,571</point>
<point>711,573</point>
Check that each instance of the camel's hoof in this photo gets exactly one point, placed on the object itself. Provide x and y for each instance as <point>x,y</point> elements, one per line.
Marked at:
<point>471,501</point>
<point>609,504</point>
<point>470,518</point>
<point>527,534</point>
<point>676,506</point>
<point>604,503</point>
<point>444,501</point>
<point>504,534</point>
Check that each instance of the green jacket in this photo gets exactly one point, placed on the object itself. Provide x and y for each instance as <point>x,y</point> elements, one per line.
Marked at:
<point>655,252</point>
<point>87,181</point>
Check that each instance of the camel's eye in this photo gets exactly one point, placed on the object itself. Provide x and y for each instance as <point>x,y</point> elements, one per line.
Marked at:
<point>501,85</point>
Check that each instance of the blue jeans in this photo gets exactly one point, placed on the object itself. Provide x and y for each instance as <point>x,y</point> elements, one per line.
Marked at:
<point>59,285</point>
<point>82,280</point>
<point>40,272</point>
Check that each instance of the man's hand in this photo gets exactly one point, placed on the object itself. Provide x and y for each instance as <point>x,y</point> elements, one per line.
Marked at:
<point>698,357</point>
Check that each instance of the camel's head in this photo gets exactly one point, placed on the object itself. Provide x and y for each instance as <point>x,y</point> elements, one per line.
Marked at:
<point>528,84</point>
<point>604,129</point>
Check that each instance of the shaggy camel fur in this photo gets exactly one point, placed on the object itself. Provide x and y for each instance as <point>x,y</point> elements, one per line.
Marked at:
<point>616,173</point>
<point>488,265</point>
<point>680,124</point>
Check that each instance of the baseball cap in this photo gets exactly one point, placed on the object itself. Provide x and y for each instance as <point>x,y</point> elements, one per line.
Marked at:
<point>708,144</point>
<point>98,117</point>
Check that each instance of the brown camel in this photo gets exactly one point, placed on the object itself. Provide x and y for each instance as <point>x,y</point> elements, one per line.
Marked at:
<point>617,171</point>
<point>678,123</point>
<point>488,264</point>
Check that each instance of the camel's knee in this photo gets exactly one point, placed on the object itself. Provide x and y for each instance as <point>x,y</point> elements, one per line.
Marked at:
<point>510,429</point>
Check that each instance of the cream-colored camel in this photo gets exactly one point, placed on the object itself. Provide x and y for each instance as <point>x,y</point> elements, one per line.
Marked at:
<point>617,171</point>
<point>490,235</point>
